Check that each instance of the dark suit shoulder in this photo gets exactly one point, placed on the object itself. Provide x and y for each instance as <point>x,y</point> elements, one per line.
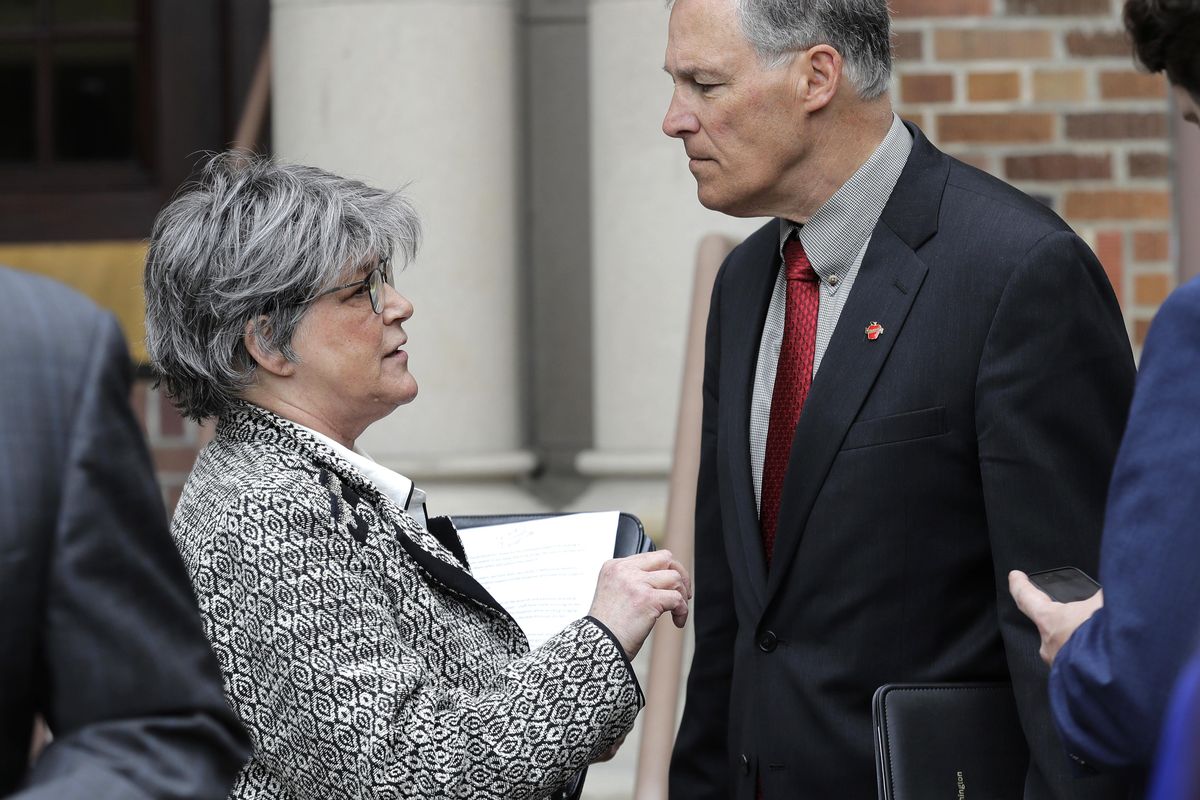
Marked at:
<point>51,336</point>
<point>973,192</point>
<point>755,248</point>
<point>25,296</point>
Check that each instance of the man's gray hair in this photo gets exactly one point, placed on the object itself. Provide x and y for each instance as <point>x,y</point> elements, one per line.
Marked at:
<point>858,29</point>
<point>254,241</point>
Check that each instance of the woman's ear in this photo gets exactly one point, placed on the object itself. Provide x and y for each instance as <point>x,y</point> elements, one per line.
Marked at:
<point>254,340</point>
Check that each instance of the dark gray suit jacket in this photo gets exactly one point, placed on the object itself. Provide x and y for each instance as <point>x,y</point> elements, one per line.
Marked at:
<point>975,436</point>
<point>99,631</point>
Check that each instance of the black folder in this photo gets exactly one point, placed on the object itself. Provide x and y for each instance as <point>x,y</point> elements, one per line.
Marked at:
<point>631,535</point>
<point>951,740</point>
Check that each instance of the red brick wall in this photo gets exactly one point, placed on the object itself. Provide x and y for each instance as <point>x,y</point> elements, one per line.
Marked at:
<point>173,440</point>
<point>1044,94</point>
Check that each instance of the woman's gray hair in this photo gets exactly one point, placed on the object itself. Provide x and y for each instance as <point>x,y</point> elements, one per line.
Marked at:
<point>254,241</point>
<point>858,29</point>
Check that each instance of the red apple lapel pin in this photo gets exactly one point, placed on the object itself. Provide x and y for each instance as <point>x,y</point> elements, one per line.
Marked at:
<point>874,331</point>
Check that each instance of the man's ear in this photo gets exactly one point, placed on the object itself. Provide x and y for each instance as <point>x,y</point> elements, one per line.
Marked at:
<point>822,66</point>
<point>253,339</point>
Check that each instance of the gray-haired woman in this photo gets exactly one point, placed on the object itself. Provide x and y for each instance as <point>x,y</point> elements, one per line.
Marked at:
<point>363,658</point>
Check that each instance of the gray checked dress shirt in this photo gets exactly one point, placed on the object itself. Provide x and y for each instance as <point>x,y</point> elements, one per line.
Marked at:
<point>835,240</point>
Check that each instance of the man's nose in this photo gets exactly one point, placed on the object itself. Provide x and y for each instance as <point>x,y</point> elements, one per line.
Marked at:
<point>679,120</point>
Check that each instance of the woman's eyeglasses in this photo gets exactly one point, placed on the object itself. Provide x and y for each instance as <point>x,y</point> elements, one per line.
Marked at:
<point>373,282</point>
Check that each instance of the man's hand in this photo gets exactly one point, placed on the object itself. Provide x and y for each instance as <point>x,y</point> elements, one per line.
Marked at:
<point>633,592</point>
<point>1055,621</point>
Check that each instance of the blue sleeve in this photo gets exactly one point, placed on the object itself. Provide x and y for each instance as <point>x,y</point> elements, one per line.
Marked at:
<point>1111,681</point>
<point>1177,773</point>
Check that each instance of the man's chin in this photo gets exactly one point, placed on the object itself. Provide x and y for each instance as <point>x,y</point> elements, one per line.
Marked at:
<point>711,199</point>
<point>715,201</point>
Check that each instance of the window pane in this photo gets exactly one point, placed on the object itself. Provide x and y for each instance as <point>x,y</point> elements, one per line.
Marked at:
<point>16,13</point>
<point>95,101</point>
<point>17,90</point>
<point>77,11</point>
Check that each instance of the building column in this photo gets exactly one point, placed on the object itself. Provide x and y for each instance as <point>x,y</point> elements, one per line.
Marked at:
<point>646,227</point>
<point>423,94</point>
<point>1187,192</point>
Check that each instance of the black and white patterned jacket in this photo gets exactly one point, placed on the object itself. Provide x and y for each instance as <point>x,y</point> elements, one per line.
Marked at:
<point>358,651</point>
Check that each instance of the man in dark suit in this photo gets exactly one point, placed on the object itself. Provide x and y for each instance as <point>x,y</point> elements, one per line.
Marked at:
<point>100,634</point>
<point>1113,673</point>
<point>915,380</point>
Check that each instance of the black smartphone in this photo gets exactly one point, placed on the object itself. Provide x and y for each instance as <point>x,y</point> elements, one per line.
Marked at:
<point>1065,584</point>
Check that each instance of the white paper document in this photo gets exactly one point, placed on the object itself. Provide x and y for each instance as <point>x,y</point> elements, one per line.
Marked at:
<point>542,571</point>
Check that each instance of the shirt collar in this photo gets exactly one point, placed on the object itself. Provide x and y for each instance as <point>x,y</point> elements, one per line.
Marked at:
<point>836,234</point>
<point>402,491</point>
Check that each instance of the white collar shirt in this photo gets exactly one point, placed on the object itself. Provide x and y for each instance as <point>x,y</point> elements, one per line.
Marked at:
<point>835,240</point>
<point>402,491</point>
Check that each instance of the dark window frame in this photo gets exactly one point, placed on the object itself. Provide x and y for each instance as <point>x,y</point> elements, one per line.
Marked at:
<point>47,173</point>
<point>191,73</point>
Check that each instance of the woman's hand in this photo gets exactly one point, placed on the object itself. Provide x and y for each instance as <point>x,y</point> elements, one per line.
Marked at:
<point>633,592</point>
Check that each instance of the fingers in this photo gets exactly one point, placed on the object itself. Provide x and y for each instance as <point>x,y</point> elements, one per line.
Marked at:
<point>679,619</point>
<point>661,561</point>
<point>1030,600</point>
<point>656,559</point>
<point>672,600</point>
<point>670,579</point>
<point>633,592</point>
<point>687,578</point>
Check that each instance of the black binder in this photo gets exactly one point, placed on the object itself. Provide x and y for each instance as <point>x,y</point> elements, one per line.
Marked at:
<point>631,540</point>
<point>952,740</point>
<point>631,535</point>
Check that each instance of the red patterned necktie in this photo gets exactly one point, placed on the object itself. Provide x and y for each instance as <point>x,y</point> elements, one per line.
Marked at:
<point>793,376</point>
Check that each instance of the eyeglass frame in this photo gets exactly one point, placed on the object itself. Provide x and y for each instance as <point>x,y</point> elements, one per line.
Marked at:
<point>384,270</point>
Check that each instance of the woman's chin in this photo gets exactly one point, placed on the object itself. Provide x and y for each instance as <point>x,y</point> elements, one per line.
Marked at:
<point>405,393</point>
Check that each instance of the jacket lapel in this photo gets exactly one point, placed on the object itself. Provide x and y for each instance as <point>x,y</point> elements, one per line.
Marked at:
<point>744,303</point>
<point>456,579</point>
<point>438,551</point>
<point>888,282</point>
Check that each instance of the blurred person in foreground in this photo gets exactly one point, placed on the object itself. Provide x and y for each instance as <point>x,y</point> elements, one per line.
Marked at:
<point>356,647</point>
<point>1116,655</point>
<point>99,633</point>
<point>916,379</point>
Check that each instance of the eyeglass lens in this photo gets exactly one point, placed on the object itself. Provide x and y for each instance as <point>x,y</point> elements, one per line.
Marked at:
<point>374,289</point>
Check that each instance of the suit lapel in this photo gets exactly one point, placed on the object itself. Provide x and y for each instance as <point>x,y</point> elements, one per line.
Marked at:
<point>744,311</point>
<point>888,282</point>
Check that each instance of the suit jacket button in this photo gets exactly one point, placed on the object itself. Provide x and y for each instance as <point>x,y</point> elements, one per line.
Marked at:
<point>745,764</point>
<point>767,642</point>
